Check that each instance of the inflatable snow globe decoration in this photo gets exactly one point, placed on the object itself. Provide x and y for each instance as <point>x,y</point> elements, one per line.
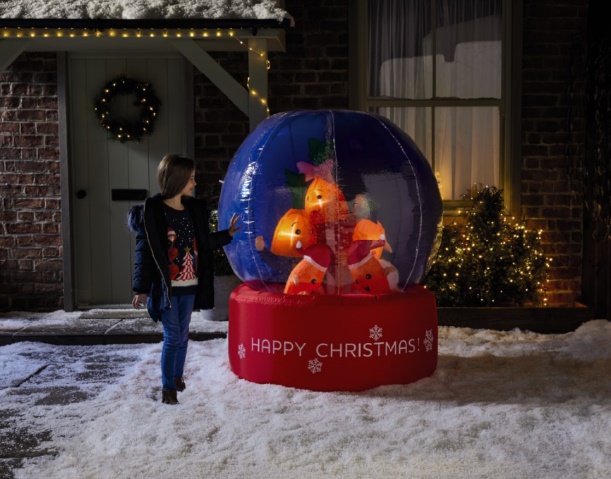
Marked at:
<point>340,214</point>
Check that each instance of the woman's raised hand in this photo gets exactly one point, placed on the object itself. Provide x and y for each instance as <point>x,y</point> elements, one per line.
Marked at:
<point>233,228</point>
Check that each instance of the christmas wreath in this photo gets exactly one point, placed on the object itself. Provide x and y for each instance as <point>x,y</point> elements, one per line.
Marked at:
<point>120,128</point>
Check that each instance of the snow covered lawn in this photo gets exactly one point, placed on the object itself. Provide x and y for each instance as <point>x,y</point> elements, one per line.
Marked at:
<point>500,405</point>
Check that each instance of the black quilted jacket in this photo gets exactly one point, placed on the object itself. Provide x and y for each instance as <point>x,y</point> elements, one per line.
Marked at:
<point>152,269</point>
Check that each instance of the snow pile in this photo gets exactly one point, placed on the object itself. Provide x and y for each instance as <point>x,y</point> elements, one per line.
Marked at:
<point>142,9</point>
<point>501,404</point>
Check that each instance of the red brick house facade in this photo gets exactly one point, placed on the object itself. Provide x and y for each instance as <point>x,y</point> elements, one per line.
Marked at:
<point>312,73</point>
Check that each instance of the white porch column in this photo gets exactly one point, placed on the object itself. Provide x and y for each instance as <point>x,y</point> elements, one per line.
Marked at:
<point>257,69</point>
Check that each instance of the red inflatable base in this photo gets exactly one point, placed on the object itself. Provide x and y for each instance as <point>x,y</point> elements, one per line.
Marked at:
<point>332,343</point>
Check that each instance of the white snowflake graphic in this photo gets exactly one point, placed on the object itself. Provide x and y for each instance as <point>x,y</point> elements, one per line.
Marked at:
<point>315,366</point>
<point>428,340</point>
<point>375,333</point>
<point>241,351</point>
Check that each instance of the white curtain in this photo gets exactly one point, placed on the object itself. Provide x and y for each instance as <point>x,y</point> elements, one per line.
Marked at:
<point>467,56</point>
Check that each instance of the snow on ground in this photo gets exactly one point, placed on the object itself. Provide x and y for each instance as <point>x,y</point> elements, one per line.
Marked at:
<point>501,404</point>
<point>141,9</point>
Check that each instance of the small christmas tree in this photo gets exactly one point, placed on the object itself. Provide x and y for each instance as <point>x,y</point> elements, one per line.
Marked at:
<point>188,272</point>
<point>486,260</point>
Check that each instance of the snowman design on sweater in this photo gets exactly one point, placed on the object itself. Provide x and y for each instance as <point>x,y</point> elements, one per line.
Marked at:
<point>182,248</point>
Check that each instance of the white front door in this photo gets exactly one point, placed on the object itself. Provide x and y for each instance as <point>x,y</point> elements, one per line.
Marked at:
<point>103,168</point>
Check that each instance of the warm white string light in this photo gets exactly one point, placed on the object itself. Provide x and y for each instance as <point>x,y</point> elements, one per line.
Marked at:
<point>19,32</point>
<point>268,66</point>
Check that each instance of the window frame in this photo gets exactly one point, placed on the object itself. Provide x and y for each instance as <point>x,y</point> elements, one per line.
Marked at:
<point>509,104</point>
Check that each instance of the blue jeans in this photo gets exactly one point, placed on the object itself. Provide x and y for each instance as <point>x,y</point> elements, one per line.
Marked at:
<point>175,323</point>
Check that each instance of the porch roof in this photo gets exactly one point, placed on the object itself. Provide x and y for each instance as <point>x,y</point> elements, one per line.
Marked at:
<point>191,37</point>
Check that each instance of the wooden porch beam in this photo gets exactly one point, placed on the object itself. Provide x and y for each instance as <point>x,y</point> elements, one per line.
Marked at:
<point>252,102</point>
<point>10,50</point>
<point>216,73</point>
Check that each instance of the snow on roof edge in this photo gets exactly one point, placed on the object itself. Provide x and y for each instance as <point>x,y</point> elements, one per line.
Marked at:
<point>143,10</point>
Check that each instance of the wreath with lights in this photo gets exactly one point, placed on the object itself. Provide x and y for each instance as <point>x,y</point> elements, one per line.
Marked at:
<point>120,128</point>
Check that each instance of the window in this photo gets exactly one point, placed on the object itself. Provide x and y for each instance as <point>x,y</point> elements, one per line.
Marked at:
<point>440,70</point>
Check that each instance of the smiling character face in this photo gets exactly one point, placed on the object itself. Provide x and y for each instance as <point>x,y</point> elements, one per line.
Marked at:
<point>307,276</point>
<point>366,271</point>
<point>294,226</point>
<point>369,277</point>
<point>326,200</point>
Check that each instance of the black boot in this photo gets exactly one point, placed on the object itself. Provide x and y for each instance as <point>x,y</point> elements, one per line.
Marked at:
<point>168,396</point>
<point>180,384</point>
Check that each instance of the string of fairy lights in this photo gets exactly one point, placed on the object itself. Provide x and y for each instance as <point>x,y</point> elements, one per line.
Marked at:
<point>487,258</point>
<point>469,242</point>
<point>192,33</point>
<point>523,270</point>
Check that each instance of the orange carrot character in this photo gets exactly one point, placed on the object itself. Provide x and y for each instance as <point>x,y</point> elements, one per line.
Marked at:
<point>294,227</point>
<point>327,199</point>
<point>307,276</point>
<point>366,271</point>
<point>323,200</point>
<point>368,230</point>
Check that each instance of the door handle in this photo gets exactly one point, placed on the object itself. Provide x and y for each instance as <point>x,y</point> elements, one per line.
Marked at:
<point>80,194</point>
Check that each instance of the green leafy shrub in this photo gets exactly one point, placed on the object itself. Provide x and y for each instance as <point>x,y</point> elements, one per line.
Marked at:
<point>486,260</point>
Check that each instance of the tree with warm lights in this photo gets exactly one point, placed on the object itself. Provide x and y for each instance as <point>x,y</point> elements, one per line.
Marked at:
<point>486,260</point>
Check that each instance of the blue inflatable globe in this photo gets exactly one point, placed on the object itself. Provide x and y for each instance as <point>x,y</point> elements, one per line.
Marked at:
<point>331,202</point>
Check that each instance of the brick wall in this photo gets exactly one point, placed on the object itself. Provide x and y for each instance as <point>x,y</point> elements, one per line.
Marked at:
<point>220,126</point>
<point>311,74</point>
<point>551,197</point>
<point>30,218</point>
